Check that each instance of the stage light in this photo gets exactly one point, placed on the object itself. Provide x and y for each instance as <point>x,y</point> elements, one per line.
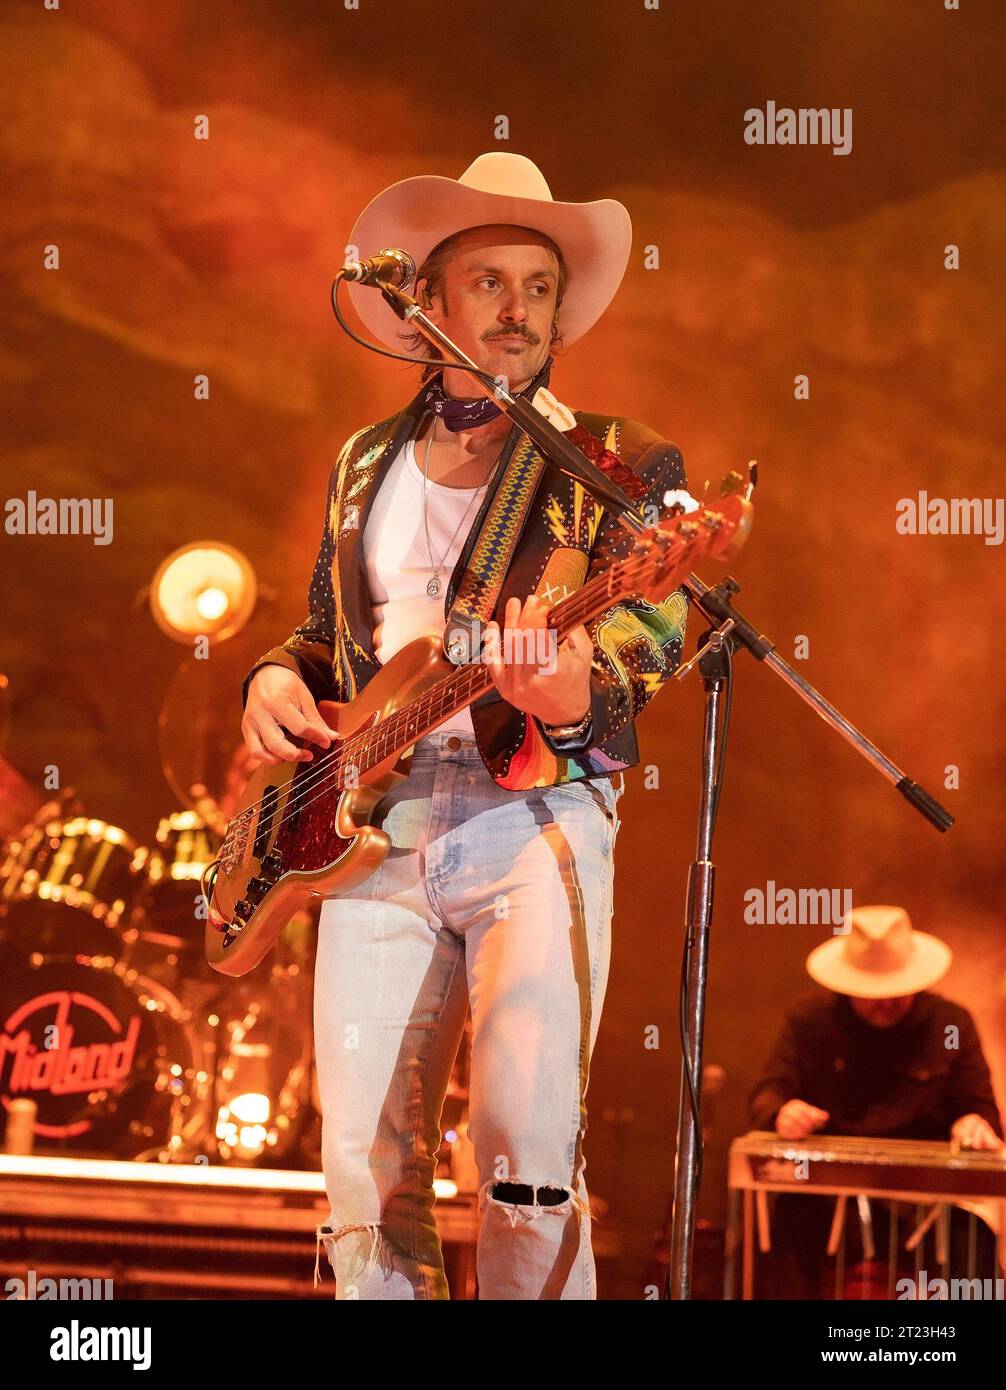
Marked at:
<point>252,1140</point>
<point>205,589</point>
<point>246,1124</point>
<point>251,1109</point>
<point>212,603</point>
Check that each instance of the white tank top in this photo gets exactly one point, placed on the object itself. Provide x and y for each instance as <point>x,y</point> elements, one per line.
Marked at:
<point>397,559</point>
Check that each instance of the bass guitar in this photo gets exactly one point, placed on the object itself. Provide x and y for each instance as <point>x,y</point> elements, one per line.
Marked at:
<point>303,829</point>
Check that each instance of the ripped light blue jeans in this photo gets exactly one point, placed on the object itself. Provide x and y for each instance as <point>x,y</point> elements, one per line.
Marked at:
<point>496,900</point>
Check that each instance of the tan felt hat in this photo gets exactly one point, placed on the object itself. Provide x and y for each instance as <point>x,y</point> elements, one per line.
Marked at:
<point>419,213</point>
<point>881,956</point>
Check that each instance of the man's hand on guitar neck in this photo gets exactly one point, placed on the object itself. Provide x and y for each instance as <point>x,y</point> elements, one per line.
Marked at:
<point>279,700</point>
<point>551,683</point>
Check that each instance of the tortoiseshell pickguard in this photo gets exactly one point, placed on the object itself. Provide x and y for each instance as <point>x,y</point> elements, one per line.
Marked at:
<point>307,839</point>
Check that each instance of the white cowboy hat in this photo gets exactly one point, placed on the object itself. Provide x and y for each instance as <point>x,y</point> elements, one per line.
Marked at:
<point>881,956</point>
<point>417,214</point>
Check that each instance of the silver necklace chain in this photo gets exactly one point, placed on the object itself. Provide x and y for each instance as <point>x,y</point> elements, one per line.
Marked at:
<point>433,587</point>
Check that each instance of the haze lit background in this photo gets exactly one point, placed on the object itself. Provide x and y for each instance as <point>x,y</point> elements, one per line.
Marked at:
<point>181,257</point>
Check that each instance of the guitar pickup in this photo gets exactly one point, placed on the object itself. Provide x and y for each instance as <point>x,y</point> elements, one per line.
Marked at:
<point>267,815</point>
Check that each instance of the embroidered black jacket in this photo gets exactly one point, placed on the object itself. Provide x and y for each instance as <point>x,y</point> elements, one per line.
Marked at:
<point>567,539</point>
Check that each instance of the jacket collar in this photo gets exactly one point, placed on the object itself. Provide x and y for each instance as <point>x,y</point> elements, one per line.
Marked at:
<point>366,469</point>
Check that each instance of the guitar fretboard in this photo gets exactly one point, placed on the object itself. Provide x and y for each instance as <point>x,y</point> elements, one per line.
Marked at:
<point>664,552</point>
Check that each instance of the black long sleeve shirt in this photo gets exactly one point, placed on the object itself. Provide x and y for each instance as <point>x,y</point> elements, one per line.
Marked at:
<point>911,1081</point>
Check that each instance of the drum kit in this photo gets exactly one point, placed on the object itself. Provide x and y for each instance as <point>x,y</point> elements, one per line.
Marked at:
<point>112,1024</point>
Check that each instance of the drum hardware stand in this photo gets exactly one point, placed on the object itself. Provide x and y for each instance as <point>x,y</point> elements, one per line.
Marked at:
<point>730,632</point>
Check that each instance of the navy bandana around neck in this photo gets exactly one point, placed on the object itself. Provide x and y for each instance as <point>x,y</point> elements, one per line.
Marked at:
<point>469,414</point>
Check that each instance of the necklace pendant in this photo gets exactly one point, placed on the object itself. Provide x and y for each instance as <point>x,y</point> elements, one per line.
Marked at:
<point>433,587</point>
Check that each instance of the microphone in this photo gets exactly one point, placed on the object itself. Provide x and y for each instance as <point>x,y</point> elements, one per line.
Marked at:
<point>390,267</point>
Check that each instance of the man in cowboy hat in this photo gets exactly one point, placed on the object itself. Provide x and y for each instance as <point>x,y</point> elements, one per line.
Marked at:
<point>497,891</point>
<point>879,1055</point>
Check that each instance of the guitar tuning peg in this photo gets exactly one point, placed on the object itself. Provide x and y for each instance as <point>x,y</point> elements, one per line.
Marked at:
<point>679,500</point>
<point>732,484</point>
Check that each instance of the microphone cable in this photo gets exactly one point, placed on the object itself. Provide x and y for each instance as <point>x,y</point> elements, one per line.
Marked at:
<point>485,377</point>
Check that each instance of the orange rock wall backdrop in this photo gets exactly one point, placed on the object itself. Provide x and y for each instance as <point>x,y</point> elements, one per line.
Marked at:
<point>180,257</point>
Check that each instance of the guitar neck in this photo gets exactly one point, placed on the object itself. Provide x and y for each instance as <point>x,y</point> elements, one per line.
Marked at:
<point>464,685</point>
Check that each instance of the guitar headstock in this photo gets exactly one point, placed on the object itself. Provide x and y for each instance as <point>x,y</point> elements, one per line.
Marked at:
<point>716,529</point>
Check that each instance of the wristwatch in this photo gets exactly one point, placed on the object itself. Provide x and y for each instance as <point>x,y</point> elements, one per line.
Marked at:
<point>564,731</point>
<point>569,739</point>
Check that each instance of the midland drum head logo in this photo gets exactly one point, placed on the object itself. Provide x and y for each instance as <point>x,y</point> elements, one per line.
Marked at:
<point>60,1045</point>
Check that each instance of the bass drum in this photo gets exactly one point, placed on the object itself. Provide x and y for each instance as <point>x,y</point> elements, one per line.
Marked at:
<point>110,1058</point>
<point>66,885</point>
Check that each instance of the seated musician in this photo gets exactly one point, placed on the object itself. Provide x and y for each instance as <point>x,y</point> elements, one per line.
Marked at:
<point>878,1055</point>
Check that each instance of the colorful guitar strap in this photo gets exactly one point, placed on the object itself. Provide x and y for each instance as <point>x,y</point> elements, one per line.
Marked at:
<point>478,592</point>
<point>490,558</point>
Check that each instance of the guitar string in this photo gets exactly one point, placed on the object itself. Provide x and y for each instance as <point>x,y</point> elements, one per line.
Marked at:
<point>430,708</point>
<point>397,725</point>
<point>563,610</point>
<point>582,599</point>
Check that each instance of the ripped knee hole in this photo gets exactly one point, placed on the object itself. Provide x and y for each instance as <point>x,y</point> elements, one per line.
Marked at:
<point>522,1194</point>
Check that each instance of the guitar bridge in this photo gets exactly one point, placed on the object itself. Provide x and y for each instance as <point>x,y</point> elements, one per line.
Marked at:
<point>235,844</point>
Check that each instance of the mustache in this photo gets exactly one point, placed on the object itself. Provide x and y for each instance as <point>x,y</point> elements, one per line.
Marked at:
<point>526,334</point>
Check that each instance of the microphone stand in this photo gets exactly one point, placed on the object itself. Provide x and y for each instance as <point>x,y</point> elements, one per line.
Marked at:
<point>552,442</point>
<point>731,632</point>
